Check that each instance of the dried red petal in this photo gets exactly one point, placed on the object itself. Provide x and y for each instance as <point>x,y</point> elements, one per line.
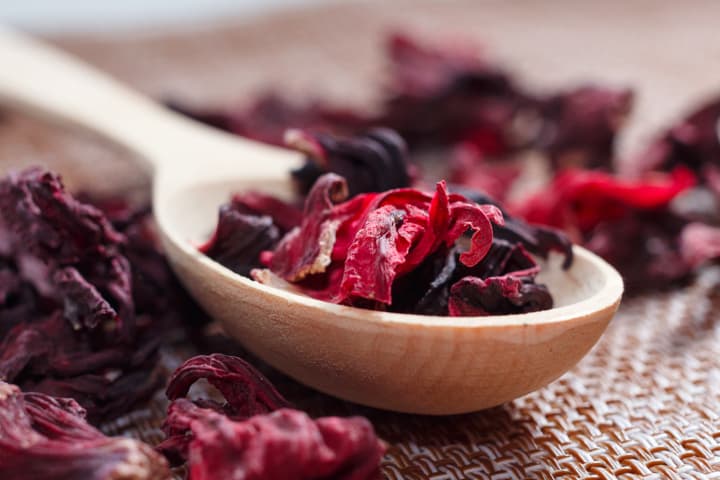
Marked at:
<point>285,215</point>
<point>306,249</point>
<point>375,255</point>
<point>47,438</point>
<point>579,200</point>
<point>278,445</point>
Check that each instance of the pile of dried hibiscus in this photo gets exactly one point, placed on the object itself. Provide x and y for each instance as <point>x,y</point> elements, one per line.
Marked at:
<point>84,290</point>
<point>401,250</point>
<point>86,301</point>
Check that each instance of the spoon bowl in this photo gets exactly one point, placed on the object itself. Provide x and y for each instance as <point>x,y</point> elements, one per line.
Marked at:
<point>408,363</point>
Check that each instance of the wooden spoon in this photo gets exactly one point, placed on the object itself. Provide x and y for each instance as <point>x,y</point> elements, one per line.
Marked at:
<point>408,363</point>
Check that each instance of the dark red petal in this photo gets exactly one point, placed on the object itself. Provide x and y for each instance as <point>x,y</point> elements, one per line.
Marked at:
<point>374,256</point>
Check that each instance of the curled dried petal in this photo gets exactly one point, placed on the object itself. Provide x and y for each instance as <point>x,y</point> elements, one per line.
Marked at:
<point>373,258</point>
<point>580,200</point>
<point>306,249</point>
<point>254,437</point>
<point>47,438</point>
<point>239,239</point>
<point>246,391</point>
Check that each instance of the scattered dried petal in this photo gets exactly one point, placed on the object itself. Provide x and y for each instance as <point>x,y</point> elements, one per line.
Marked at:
<point>260,440</point>
<point>47,438</point>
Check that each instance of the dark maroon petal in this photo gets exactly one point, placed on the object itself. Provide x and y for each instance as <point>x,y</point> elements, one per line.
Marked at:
<point>374,161</point>
<point>24,345</point>
<point>580,125</point>
<point>77,319</point>
<point>473,296</point>
<point>240,238</point>
<point>694,142</point>
<point>285,215</point>
<point>47,223</point>
<point>84,306</point>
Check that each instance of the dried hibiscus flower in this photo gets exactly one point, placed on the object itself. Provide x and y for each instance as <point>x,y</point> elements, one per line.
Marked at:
<point>355,250</point>
<point>254,436</point>
<point>630,223</point>
<point>580,126</point>
<point>78,320</point>
<point>374,161</point>
<point>249,224</point>
<point>404,250</point>
<point>47,438</point>
<point>694,142</point>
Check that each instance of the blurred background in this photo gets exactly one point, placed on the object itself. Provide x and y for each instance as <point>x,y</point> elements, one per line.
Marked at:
<point>52,16</point>
<point>220,54</point>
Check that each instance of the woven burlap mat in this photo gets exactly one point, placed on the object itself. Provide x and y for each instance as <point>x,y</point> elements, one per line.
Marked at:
<point>645,403</point>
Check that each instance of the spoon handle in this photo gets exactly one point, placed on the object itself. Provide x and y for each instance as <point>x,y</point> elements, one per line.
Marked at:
<point>44,81</point>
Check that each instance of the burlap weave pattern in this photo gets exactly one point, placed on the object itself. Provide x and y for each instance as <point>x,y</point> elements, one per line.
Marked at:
<point>645,403</point>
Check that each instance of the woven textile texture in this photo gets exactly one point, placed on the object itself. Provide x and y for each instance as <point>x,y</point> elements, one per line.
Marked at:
<point>645,403</point>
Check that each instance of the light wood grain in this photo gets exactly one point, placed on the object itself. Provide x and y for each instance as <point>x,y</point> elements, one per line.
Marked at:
<point>401,362</point>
